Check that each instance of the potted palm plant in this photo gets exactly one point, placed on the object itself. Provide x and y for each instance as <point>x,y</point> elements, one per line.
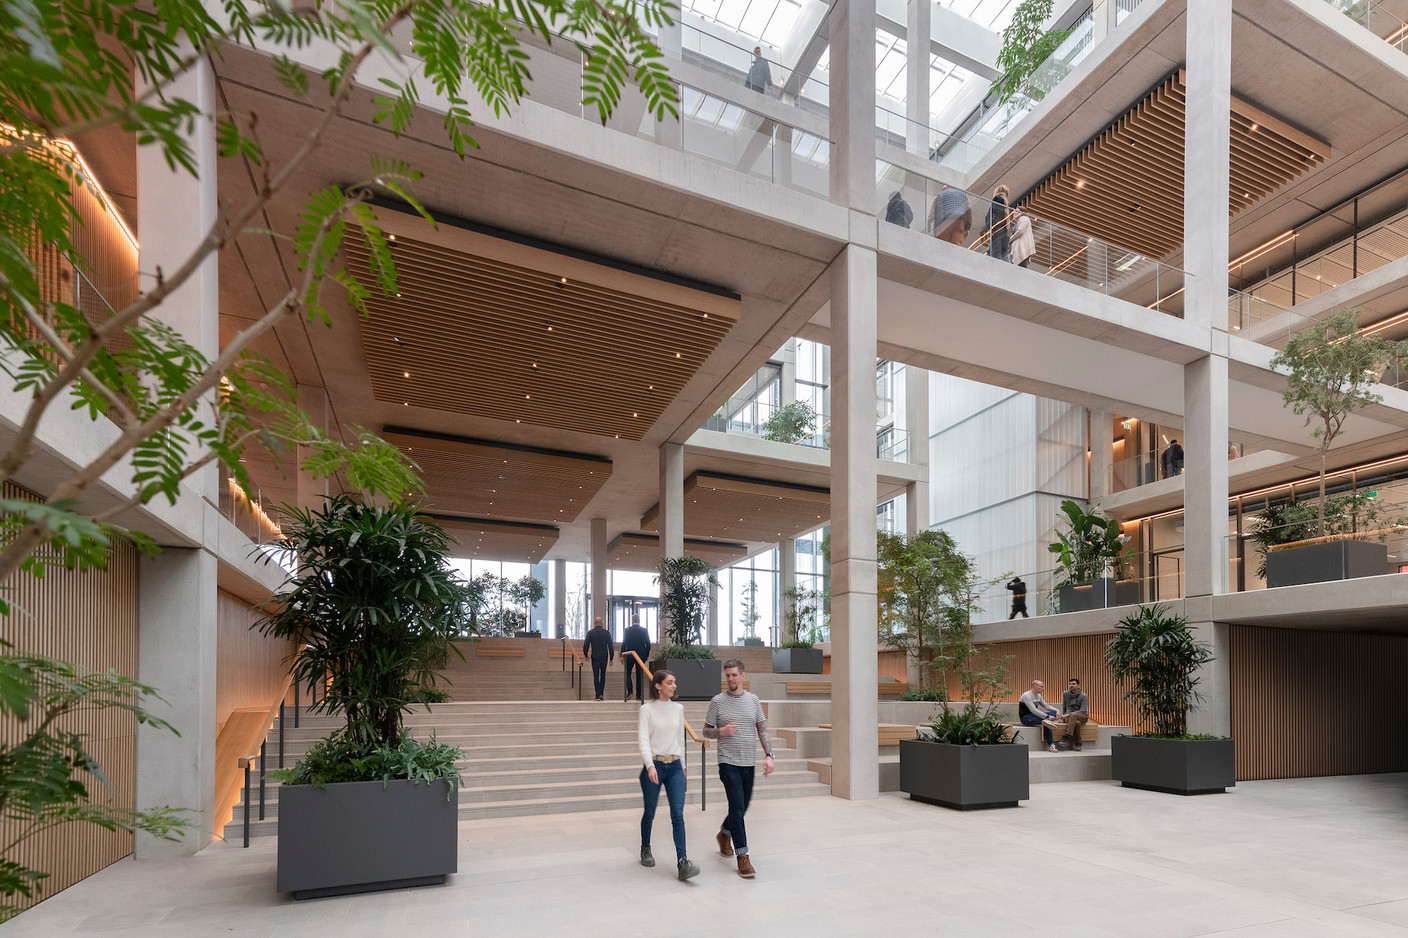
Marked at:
<point>1156,657</point>
<point>967,759</point>
<point>1090,560</point>
<point>684,598</point>
<point>797,655</point>
<point>373,604</point>
<point>1330,370</point>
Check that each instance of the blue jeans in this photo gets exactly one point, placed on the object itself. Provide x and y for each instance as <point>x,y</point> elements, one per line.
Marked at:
<point>1034,719</point>
<point>738,788</point>
<point>671,775</point>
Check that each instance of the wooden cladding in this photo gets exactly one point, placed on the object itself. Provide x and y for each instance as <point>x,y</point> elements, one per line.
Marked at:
<point>88,618</point>
<point>1056,661</point>
<point>1126,185</point>
<point>746,509</point>
<point>1308,703</point>
<point>491,328</point>
<point>250,668</point>
<point>642,552</point>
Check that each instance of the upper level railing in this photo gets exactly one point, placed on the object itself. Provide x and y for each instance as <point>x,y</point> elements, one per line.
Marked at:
<point>751,416</point>
<point>1373,16</point>
<point>738,62</point>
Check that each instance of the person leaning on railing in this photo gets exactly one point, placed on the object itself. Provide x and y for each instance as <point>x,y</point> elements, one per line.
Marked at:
<point>950,218</point>
<point>660,732</point>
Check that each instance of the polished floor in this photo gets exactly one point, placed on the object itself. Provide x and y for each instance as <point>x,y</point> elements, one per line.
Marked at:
<point>1281,859</point>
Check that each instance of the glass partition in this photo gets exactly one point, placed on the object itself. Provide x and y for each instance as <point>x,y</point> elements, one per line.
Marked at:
<point>736,60</point>
<point>1140,578</point>
<point>1375,16</point>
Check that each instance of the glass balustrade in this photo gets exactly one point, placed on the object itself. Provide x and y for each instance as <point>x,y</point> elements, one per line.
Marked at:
<point>736,61</point>
<point>1375,16</point>
<point>1140,577</point>
<point>753,416</point>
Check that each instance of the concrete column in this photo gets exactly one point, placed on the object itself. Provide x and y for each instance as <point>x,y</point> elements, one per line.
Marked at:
<point>786,578</point>
<point>174,212</point>
<point>668,131</point>
<point>916,424</point>
<point>713,635</point>
<point>917,26</point>
<point>788,356</point>
<point>559,596</point>
<point>854,714</point>
<point>311,489</point>
<point>782,155</point>
<point>176,609</point>
<point>1101,453</point>
<point>1206,182</point>
<point>1103,15</point>
<point>599,604</point>
<point>852,111</point>
<point>671,500</point>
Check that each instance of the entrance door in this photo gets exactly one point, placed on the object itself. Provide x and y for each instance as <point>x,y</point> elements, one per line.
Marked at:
<point>622,608</point>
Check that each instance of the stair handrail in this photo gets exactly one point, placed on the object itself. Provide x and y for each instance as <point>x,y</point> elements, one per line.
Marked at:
<point>578,663</point>
<point>245,761</point>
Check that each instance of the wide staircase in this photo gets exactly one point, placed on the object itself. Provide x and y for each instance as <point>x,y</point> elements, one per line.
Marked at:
<point>536,757</point>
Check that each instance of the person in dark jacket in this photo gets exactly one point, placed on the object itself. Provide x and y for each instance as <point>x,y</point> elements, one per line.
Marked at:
<point>636,639</point>
<point>1019,597</point>
<point>996,224</point>
<point>599,650</point>
<point>1172,460</point>
<point>897,210</point>
<point>759,75</point>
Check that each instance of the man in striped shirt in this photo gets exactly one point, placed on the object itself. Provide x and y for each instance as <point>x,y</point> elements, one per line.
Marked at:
<point>736,720</point>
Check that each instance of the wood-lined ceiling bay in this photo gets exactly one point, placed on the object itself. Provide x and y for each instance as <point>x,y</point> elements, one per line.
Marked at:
<point>494,328</point>
<point>1126,185</point>
<point>481,539</point>
<point>746,509</point>
<point>491,480</point>
<point>642,552</point>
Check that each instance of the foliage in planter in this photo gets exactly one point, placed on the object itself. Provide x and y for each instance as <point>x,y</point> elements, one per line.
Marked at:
<point>1156,657</point>
<point>797,644</point>
<point>47,772</point>
<point>922,582</point>
<point>428,695</point>
<point>748,609</point>
<point>1025,46</point>
<point>1091,547</point>
<point>970,727</point>
<point>799,607</point>
<point>931,694</point>
<point>684,596</point>
<point>790,423</point>
<point>1354,515</point>
<point>341,759</point>
<point>374,596</point>
<point>1329,371</point>
<point>497,606</point>
<point>686,652</point>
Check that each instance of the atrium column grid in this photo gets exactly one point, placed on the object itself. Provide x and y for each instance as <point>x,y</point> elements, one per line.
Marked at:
<point>916,426</point>
<point>1101,453</point>
<point>786,580</point>
<point>917,43</point>
<point>177,604</point>
<point>1207,178</point>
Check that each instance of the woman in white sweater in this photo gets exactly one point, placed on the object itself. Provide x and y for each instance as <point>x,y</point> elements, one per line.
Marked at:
<point>661,737</point>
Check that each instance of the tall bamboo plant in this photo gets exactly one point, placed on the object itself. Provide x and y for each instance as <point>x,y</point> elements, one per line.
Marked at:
<point>1156,658</point>
<point>684,597</point>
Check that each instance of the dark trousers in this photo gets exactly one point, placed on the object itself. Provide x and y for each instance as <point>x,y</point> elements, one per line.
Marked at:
<point>671,775</point>
<point>633,668</point>
<point>738,789</point>
<point>1019,605</point>
<point>1036,719</point>
<point>599,675</point>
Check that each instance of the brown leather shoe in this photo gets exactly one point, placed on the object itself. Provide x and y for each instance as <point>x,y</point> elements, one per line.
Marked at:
<point>745,867</point>
<point>725,844</point>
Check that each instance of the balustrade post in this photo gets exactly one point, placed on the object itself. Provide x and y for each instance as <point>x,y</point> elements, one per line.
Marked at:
<point>281,734</point>
<point>262,745</point>
<point>246,804</point>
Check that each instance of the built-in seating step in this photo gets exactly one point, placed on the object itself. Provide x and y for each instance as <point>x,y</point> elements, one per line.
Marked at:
<point>1042,767</point>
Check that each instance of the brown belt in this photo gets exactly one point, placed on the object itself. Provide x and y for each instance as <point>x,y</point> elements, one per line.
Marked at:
<point>666,759</point>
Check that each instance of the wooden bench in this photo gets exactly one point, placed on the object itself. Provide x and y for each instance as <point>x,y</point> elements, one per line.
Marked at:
<point>890,733</point>
<point>1089,732</point>
<point>498,651</point>
<point>882,689</point>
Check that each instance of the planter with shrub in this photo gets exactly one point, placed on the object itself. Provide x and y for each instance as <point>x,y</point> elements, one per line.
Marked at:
<point>1090,562</point>
<point>684,597</point>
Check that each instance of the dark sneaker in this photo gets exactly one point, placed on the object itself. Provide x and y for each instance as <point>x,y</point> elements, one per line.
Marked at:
<point>1075,746</point>
<point>1064,744</point>
<point>687,869</point>
<point>745,867</point>
<point>725,844</point>
<point>645,858</point>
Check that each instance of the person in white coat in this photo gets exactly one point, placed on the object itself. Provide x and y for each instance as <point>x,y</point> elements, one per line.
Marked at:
<point>1023,243</point>
<point>661,736</point>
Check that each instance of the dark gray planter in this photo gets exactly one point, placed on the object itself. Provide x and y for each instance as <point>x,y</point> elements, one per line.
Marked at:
<point>1176,766</point>
<point>695,679</point>
<point>528,634</point>
<point>1098,594</point>
<point>1328,560</point>
<point>364,836</point>
<point>964,777</point>
<point>796,661</point>
<point>753,641</point>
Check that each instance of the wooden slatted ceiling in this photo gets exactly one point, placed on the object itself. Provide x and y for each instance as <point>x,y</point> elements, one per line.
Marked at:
<point>492,481</point>
<point>642,552</point>
<point>1126,185</point>
<point>746,509</point>
<point>480,539</point>
<point>491,328</point>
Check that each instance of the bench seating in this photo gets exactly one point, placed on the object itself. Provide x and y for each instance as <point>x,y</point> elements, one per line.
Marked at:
<point>882,689</point>
<point>1089,732</point>
<point>890,733</point>
<point>498,651</point>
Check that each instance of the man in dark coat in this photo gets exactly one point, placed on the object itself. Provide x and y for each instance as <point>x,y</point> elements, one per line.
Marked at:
<point>1019,597</point>
<point>1172,460</point>
<point>599,650</point>
<point>636,639</point>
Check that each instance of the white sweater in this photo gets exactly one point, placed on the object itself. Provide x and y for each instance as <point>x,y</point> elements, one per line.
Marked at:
<point>661,730</point>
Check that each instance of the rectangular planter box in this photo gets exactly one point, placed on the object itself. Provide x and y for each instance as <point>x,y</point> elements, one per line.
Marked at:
<point>695,679</point>
<point>796,661</point>
<point>1098,594</point>
<point>964,777</point>
<point>757,642</point>
<point>1329,560</point>
<point>365,836</point>
<point>1176,766</point>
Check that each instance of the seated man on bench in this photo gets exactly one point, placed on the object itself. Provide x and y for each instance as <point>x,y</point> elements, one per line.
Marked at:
<point>1034,711</point>
<point>1075,712</point>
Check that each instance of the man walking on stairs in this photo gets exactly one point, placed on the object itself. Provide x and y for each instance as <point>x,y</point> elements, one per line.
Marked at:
<point>636,639</point>
<point>599,650</point>
<point>735,718</point>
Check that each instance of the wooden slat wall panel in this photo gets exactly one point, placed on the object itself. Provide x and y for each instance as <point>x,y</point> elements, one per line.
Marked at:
<point>1057,660</point>
<point>250,668</point>
<point>1343,686</point>
<point>88,618</point>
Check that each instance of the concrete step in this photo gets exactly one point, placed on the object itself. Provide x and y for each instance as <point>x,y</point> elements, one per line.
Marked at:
<point>1042,767</point>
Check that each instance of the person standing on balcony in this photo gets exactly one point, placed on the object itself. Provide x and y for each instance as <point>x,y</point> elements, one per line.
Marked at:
<point>599,650</point>
<point>897,210</point>
<point>1172,460</point>
<point>995,225</point>
<point>759,75</point>
<point>660,733</point>
<point>1023,243</point>
<point>636,639</point>
<point>950,218</point>
<point>1019,597</point>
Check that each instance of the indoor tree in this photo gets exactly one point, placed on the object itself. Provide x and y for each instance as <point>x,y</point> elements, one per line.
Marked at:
<point>790,423</point>
<point>1155,656</point>
<point>1026,44</point>
<point>920,592</point>
<point>684,597</point>
<point>1330,370</point>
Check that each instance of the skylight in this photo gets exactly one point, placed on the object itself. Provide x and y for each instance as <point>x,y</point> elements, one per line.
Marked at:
<point>769,21</point>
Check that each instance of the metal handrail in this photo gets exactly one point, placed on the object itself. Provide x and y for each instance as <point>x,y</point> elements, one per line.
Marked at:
<point>703,743</point>
<point>247,760</point>
<point>578,660</point>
